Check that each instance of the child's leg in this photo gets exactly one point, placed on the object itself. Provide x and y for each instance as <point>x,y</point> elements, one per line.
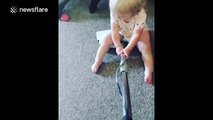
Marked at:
<point>144,46</point>
<point>104,47</point>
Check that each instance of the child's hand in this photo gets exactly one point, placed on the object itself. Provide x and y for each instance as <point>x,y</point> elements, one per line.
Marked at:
<point>126,52</point>
<point>119,50</point>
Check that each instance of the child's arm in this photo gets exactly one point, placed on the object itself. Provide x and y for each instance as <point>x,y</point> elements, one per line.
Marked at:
<point>134,39</point>
<point>141,20</point>
<point>115,31</point>
<point>133,42</point>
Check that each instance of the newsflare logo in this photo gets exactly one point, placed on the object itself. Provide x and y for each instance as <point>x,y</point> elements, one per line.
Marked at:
<point>15,9</point>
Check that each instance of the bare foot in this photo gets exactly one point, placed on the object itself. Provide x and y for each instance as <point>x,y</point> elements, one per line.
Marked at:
<point>95,67</point>
<point>148,77</point>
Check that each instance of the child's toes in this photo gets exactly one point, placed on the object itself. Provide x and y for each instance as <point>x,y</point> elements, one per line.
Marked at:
<point>148,78</point>
<point>149,81</point>
<point>94,68</point>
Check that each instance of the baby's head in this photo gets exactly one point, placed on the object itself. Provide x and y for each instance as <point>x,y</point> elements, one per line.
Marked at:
<point>126,8</point>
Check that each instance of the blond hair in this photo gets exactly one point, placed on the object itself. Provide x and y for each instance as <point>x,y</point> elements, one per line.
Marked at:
<point>126,6</point>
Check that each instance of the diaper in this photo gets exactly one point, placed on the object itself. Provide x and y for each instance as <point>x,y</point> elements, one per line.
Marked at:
<point>100,35</point>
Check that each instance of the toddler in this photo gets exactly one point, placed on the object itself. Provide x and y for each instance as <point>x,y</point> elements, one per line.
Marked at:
<point>128,22</point>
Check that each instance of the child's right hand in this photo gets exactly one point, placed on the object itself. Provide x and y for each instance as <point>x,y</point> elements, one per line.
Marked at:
<point>119,50</point>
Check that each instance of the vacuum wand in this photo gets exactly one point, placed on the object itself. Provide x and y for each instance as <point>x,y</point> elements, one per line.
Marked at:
<point>126,102</point>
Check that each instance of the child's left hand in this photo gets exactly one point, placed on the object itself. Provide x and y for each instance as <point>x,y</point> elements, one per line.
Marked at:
<point>126,52</point>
